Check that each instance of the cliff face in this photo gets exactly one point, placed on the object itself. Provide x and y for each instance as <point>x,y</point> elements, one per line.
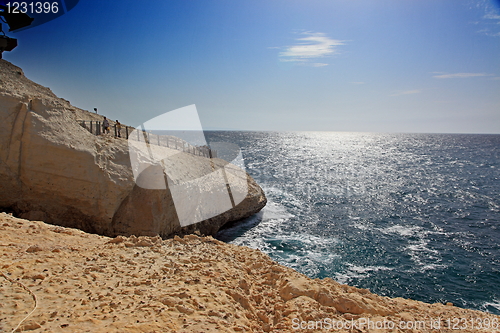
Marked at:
<point>54,170</point>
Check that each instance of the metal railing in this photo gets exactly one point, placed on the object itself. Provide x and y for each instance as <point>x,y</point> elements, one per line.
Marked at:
<point>92,126</point>
<point>169,141</point>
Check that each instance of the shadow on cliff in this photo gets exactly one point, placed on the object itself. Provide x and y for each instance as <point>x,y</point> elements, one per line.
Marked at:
<point>232,230</point>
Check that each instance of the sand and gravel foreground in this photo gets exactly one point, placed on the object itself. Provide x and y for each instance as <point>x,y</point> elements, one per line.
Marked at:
<point>89,283</point>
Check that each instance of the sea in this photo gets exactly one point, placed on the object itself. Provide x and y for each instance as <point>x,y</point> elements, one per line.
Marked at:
<point>404,215</point>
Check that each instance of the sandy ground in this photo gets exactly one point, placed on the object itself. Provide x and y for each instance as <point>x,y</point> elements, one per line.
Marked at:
<point>89,283</point>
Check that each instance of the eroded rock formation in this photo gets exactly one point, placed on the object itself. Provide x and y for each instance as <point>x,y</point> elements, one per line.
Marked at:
<point>52,169</point>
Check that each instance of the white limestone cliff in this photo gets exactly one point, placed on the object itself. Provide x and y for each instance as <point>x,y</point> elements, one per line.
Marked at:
<point>52,169</point>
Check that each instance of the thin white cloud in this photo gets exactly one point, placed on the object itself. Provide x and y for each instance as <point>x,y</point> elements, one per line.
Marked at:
<point>491,19</point>
<point>460,75</point>
<point>407,92</point>
<point>492,16</point>
<point>310,47</point>
<point>488,32</point>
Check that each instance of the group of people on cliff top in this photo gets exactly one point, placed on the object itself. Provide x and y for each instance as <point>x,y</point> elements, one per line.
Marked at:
<point>106,127</point>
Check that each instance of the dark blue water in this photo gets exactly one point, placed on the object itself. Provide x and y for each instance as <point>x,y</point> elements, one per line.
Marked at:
<point>408,215</point>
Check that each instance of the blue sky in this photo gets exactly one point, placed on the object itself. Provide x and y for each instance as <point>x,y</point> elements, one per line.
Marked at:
<point>336,65</point>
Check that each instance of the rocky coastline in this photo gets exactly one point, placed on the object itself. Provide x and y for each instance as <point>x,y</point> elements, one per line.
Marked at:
<point>90,254</point>
<point>52,169</point>
<point>90,283</point>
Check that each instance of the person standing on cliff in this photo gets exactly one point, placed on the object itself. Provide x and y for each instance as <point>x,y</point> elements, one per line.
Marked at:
<point>105,126</point>
<point>118,128</point>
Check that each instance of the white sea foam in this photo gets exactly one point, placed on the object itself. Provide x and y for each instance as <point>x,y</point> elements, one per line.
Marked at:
<point>267,222</point>
<point>361,226</point>
<point>495,304</point>
<point>425,258</point>
<point>311,240</point>
<point>359,272</point>
<point>421,247</point>
<point>272,214</point>
<point>402,230</point>
<point>431,267</point>
<point>367,269</point>
<point>323,257</point>
<point>345,278</point>
<point>275,211</point>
